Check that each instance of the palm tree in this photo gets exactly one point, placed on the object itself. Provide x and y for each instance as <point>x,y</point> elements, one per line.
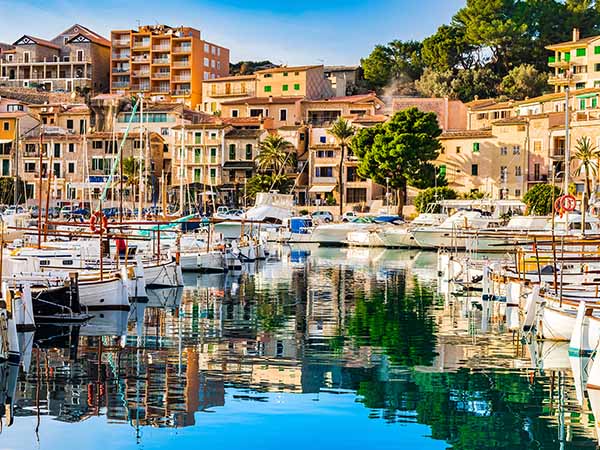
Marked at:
<point>343,132</point>
<point>273,154</point>
<point>131,174</point>
<point>587,155</point>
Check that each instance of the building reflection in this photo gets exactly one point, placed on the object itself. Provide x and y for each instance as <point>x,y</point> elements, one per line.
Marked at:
<point>323,326</point>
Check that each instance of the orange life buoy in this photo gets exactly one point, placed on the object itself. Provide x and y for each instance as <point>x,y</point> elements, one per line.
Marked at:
<point>98,222</point>
<point>568,202</point>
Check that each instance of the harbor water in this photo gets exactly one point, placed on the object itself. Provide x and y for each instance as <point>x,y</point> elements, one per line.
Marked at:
<point>313,348</point>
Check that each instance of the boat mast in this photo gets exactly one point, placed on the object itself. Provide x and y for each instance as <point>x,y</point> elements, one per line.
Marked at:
<point>16,171</point>
<point>181,168</point>
<point>40,186</point>
<point>140,181</point>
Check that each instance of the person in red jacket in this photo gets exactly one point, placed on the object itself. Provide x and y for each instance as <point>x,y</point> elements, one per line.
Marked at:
<point>121,246</point>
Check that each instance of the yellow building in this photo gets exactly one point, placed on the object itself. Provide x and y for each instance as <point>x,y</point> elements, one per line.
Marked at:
<point>301,81</point>
<point>165,63</point>
<point>576,63</point>
<point>226,89</point>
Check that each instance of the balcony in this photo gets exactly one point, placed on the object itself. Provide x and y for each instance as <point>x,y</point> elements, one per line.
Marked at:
<point>161,61</point>
<point>120,84</point>
<point>232,92</point>
<point>121,43</point>
<point>161,89</point>
<point>161,48</point>
<point>141,44</point>
<point>120,70</point>
<point>182,49</point>
<point>557,153</point>
<point>161,75</point>
<point>141,73</point>
<point>143,59</point>
<point>181,64</point>
<point>182,78</point>
<point>566,79</point>
<point>140,87</point>
<point>182,92</point>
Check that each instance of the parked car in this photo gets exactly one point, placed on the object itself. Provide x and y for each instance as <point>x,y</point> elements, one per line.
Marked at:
<point>322,216</point>
<point>349,216</point>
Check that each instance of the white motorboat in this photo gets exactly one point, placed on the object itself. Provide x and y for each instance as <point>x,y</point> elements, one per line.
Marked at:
<point>336,234</point>
<point>400,236</point>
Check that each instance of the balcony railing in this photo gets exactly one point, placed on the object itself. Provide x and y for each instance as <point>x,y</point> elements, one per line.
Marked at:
<point>141,44</point>
<point>36,61</point>
<point>140,87</point>
<point>120,70</point>
<point>141,59</point>
<point>557,153</point>
<point>161,89</point>
<point>141,73</point>
<point>230,92</point>
<point>182,92</point>
<point>181,64</point>
<point>121,42</point>
<point>161,61</point>
<point>182,49</point>
<point>182,78</point>
<point>161,75</point>
<point>120,84</point>
<point>161,48</point>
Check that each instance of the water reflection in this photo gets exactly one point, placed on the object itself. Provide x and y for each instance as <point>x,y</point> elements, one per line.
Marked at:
<point>355,346</point>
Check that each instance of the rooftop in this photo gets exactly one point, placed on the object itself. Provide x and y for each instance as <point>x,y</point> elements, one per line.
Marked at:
<point>230,78</point>
<point>37,41</point>
<point>462,134</point>
<point>244,134</point>
<point>264,101</point>
<point>288,69</point>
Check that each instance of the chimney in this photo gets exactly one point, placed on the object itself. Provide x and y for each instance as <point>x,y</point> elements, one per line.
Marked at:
<point>575,34</point>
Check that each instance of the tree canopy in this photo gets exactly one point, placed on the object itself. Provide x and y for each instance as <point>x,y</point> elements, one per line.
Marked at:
<point>486,39</point>
<point>400,151</point>
<point>540,199</point>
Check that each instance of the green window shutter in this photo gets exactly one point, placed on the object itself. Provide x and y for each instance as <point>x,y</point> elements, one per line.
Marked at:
<point>567,57</point>
<point>582,104</point>
<point>267,88</point>
<point>595,102</point>
<point>248,151</point>
<point>232,151</point>
<point>475,147</point>
<point>285,87</point>
<point>580,52</point>
<point>296,87</point>
<point>442,170</point>
<point>597,50</point>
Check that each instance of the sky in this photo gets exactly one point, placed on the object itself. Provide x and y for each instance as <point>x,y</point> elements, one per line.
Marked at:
<point>286,32</point>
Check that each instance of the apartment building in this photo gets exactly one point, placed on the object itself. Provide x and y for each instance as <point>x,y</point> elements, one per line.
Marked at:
<point>282,111</point>
<point>576,63</point>
<point>14,126</point>
<point>451,114</point>
<point>481,114</point>
<point>165,63</point>
<point>77,58</point>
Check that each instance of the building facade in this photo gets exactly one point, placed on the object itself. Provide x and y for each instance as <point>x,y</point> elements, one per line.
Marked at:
<point>165,63</point>
<point>78,58</point>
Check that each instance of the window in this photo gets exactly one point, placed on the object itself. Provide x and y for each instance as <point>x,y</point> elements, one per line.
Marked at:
<point>580,85</point>
<point>231,151</point>
<point>57,150</point>
<point>82,126</point>
<point>284,87</point>
<point>248,152</point>
<point>516,150</point>
<point>324,172</point>
<point>79,55</point>
<point>503,173</point>
<point>285,74</point>
<point>29,167</point>
<point>474,170</point>
<point>57,170</point>
<point>296,87</point>
<point>267,88</point>
<point>198,137</point>
<point>597,50</point>
<point>97,164</point>
<point>594,102</point>
<point>517,192</point>
<point>442,170</point>
<point>582,104</point>
<point>518,171</point>
<point>458,149</point>
<point>5,126</point>
<point>356,195</point>
<point>71,147</point>
<point>475,147</point>
<point>235,113</point>
<point>597,67</point>
<point>213,135</point>
<point>14,108</point>
<point>537,146</point>
<point>206,48</point>
<point>97,145</point>
<point>536,172</point>
<point>26,57</point>
<point>580,52</point>
<point>71,167</point>
<point>213,174</point>
<point>267,75</point>
<point>164,131</point>
<point>503,151</point>
<point>197,175</point>
<point>323,139</point>
<point>283,114</point>
<point>206,62</point>
<point>213,155</point>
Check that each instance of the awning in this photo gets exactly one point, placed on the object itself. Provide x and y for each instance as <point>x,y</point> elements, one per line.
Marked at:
<point>595,94</point>
<point>324,188</point>
<point>5,141</point>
